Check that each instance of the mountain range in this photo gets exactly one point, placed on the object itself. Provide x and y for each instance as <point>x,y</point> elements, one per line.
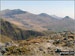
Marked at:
<point>38,22</point>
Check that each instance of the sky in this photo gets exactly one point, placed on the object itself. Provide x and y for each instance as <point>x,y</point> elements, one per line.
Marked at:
<point>58,8</point>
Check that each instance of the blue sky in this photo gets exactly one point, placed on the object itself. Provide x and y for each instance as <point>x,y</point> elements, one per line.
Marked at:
<point>59,8</point>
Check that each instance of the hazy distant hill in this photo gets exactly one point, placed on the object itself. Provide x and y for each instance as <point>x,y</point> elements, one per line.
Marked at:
<point>38,22</point>
<point>12,31</point>
<point>66,24</point>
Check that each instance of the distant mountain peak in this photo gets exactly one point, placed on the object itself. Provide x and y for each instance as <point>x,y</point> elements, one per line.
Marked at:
<point>13,12</point>
<point>18,11</point>
<point>66,17</point>
<point>48,16</point>
<point>44,14</point>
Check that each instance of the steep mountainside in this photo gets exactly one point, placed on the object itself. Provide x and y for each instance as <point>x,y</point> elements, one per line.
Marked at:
<point>12,31</point>
<point>39,22</point>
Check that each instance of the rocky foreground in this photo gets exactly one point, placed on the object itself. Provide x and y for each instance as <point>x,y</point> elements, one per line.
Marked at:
<point>42,46</point>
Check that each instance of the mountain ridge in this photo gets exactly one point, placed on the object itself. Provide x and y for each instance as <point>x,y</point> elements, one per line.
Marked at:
<point>40,22</point>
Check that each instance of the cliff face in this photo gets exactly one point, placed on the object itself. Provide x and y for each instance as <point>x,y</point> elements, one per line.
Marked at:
<point>16,33</point>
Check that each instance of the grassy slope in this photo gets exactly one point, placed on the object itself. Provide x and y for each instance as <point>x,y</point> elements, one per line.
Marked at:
<point>5,39</point>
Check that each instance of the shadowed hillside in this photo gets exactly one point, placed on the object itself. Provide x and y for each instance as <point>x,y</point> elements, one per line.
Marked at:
<point>16,33</point>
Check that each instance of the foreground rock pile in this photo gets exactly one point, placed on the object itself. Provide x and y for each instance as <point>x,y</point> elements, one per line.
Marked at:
<point>41,46</point>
